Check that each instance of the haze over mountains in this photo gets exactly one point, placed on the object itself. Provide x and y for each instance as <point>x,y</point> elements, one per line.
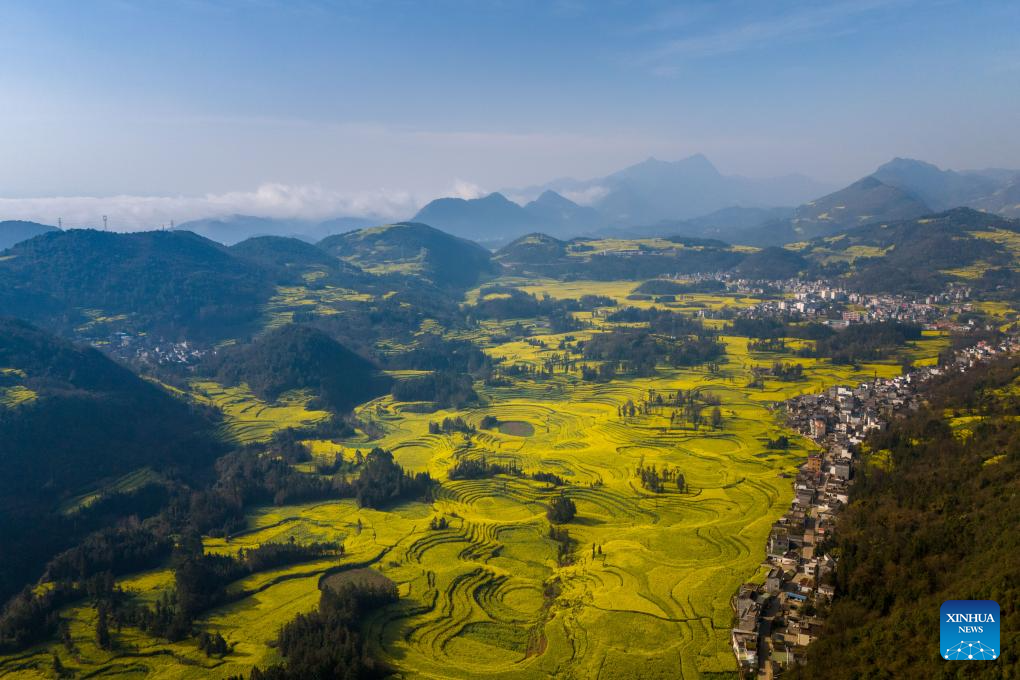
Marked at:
<point>15,231</point>
<point>643,194</point>
<point>689,197</point>
<point>233,229</point>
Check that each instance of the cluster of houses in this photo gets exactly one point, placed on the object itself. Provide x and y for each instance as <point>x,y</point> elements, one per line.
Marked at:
<point>163,353</point>
<point>776,620</point>
<point>839,308</point>
<point>149,350</point>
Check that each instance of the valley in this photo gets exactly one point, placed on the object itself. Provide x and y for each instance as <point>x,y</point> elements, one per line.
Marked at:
<point>645,585</point>
<point>515,340</point>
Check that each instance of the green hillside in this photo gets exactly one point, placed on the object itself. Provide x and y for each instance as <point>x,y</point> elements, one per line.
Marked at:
<point>293,261</point>
<point>863,202</point>
<point>87,422</point>
<point>611,259</point>
<point>295,357</point>
<point>771,263</point>
<point>163,282</point>
<point>920,255</point>
<point>413,248</point>
<point>932,518</point>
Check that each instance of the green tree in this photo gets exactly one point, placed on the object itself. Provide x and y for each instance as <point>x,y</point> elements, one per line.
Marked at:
<point>102,628</point>
<point>561,510</point>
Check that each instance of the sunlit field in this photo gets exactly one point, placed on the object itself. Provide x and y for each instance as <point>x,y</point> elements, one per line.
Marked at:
<point>247,418</point>
<point>486,596</point>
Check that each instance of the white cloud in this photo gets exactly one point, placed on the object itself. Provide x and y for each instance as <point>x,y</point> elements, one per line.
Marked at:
<point>587,196</point>
<point>127,213</point>
<point>466,190</point>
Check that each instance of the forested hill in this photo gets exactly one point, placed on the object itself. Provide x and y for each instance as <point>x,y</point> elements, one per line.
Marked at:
<point>932,517</point>
<point>771,263</point>
<point>70,419</point>
<point>413,248</point>
<point>295,357</point>
<point>297,262</point>
<point>863,202</point>
<point>920,255</point>
<point>173,283</point>
<point>614,259</point>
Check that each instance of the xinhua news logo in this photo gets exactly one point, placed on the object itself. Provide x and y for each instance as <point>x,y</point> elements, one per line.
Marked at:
<point>969,630</point>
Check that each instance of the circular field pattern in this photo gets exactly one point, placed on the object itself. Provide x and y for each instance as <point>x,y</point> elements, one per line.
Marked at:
<point>517,428</point>
<point>641,590</point>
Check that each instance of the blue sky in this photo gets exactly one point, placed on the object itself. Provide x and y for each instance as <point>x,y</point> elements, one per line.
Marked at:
<point>323,107</point>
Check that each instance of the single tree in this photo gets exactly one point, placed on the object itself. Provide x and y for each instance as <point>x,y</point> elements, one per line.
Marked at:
<point>561,510</point>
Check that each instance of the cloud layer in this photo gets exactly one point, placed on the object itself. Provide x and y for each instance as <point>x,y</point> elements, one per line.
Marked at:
<point>130,213</point>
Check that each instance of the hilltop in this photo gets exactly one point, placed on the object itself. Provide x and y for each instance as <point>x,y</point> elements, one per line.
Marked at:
<point>16,231</point>
<point>920,254</point>
<point>413,248</point>
<point>866,200</point>
<point>533,249</point>
<point>283,251</point>
<point>1005,201</point>
<point>497,218</point>
<point>554,213</point>
<point>939,189</point>
<point>295,261</point>
<point>654,190</point>
<point>646,193</point>
<point>164,282</point>
<point>295,357</point>
<point>233,229</point>
<point>490,217</point>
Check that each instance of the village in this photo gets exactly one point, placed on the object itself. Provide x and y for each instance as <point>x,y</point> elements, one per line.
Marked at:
<point>776,620</point>
<point>821,301</point>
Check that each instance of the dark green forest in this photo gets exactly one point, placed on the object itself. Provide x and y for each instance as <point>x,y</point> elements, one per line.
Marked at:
<point>296,357</point>
<point>938,522</point>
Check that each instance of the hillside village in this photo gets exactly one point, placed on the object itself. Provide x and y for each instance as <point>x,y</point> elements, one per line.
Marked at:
<point>839,307</point>
<point>776,620</point>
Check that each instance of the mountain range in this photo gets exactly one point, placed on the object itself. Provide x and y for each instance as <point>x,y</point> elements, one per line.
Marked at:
<point>233,229</point>
<point>901,189</point>
<point>646,193</point>
<point>496,218</point>
<point>691,197</point>
<point>688,197</point>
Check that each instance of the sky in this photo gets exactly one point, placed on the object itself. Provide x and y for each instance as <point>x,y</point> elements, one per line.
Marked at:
<point>156,110</point>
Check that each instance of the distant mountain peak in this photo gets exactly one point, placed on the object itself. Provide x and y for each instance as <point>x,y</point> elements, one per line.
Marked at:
<point>939,188</point>
<point>552,198</point>
<point>868,182</point>
<point>495,197</point>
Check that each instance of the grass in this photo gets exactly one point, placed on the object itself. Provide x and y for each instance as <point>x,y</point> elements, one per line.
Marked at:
<point>249,419</point>
<point>322,301</point>
<point>618,291</point>
<point>477,597</point>
<point>125,484</point>
<point>16,395</point>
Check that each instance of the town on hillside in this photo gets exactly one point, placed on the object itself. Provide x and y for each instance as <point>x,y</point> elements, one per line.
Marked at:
<point>776,620</point>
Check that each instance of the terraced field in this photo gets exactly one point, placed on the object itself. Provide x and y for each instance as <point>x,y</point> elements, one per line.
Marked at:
<point>486,596</point>
<point>247,418</point>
